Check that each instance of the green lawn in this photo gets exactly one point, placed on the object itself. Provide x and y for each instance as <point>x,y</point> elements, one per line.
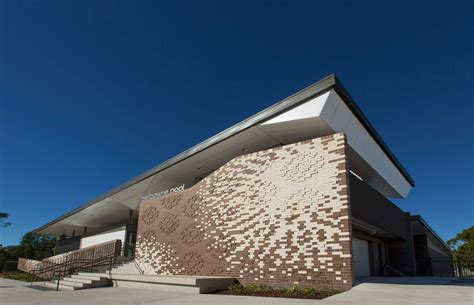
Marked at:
<point>21,277</point>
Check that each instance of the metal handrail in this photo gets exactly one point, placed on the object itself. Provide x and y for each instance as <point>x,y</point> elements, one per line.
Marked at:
<point>55,266</point>
<point>103,261</point>
<point>138,267</point>
<point>68,267</point>
<point>128,252</point>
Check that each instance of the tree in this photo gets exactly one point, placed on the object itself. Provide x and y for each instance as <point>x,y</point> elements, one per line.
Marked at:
<point>6,255</point>
<point>3,223</point>
<point>35,246</point>
<point>463,244</point>
<point>32,245</point>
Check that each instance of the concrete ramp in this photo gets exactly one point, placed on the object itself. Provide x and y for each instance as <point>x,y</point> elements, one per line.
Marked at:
<point>174,283</point>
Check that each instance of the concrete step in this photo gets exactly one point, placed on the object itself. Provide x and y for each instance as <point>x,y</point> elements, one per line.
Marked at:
<point>71,284</point>
<point>188,284</point>
<point>77,280</point>
<point>128,267</point>
<point>41,286</point>
<point>159,279</point>
<point>175,283</point>
<point>89,276</point>
<point>61,286</point>
<point>81,281</point>
<point>124,268</point>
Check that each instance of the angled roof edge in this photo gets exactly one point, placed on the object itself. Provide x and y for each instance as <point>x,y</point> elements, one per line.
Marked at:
<point>321,86</point>
<point>430,229</point>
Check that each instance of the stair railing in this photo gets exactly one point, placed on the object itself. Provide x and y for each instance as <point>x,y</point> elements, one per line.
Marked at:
<point>71,266</point>
<point>128,252</point>
<point>85,266</point>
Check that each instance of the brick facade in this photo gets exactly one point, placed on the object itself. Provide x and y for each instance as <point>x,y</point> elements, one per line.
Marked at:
<point>278,217</point>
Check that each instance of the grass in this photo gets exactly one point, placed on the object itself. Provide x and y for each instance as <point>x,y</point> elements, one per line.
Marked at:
<point>25,277</point>
<point>290,292</point>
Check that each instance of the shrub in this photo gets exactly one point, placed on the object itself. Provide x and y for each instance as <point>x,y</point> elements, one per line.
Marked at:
<point>252,288</point>
<point>257,289</point>
<point>236,288</point>
<point>292,290</point>
<point>309,291</point>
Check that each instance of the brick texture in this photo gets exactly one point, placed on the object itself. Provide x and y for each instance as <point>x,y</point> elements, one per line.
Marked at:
<point>277,217</point>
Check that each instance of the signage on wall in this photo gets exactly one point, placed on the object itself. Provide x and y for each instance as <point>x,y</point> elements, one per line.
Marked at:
<point>163,193</point>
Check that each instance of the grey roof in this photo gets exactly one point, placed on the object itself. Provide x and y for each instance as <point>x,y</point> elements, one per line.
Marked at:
<point>324,85</point>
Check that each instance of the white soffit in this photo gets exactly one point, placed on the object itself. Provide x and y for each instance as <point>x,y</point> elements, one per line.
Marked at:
<point>108,212</point>
<point>333,111</point>
<point>307,110</point>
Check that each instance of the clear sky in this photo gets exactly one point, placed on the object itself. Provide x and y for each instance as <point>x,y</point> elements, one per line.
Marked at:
<point>93,93</point>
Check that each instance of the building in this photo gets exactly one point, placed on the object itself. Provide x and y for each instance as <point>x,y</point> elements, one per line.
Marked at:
<point>296,194</point>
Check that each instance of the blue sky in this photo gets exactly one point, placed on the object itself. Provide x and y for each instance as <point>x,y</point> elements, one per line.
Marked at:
<point>93,93</point>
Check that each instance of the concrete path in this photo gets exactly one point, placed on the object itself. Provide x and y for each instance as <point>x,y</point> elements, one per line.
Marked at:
<point>407,280</point>
<point>16,293</point>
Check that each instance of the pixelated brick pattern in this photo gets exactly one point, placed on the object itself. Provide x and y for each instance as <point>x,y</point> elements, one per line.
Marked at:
<point>278,217</point>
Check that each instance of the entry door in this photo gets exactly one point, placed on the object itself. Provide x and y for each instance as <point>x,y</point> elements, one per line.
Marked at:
<point>360,253</point>
<point>129,247</point>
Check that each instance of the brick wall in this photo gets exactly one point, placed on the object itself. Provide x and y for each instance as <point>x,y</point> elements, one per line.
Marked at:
<point>278,217</point>
<point>105,249</point>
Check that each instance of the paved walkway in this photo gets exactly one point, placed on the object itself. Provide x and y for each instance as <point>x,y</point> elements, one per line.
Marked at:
<point>401,293</point>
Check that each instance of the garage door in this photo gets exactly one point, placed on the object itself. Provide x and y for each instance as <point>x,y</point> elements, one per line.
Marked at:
<point>360,252</point>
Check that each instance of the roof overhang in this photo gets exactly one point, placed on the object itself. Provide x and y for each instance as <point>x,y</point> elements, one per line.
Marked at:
<point>320,109</point>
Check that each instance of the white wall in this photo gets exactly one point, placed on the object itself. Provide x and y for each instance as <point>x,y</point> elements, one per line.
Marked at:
<point>103,237</point>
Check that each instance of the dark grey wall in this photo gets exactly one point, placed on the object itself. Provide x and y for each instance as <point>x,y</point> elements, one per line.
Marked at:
<point>401,252</point>
<point>66,245</point>
<point>430,262</point>
<point>370,206</point>
<point>434,252</point>
<point>373,208</point>
<point>421,246</point>
<point>423,265</point>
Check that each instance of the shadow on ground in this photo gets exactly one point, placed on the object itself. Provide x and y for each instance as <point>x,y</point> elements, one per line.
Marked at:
<point>416,280</point>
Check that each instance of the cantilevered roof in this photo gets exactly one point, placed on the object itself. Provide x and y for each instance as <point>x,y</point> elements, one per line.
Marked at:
<point>267,124</point>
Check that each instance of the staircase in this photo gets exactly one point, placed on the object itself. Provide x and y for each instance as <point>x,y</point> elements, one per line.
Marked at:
<point>128,275</point>
<point>99,278</point>
<point>126,268</point>
<point>82,280</point>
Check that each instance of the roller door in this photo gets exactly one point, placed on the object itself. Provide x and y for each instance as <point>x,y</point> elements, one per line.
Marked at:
<point>360,253</point>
